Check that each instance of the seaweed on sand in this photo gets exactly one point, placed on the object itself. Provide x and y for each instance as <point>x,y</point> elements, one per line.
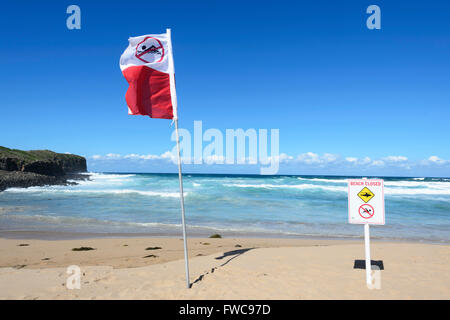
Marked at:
<point>83,249</point>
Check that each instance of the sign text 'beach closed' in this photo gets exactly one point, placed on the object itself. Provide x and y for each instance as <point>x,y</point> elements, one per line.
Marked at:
<point>366,201</point>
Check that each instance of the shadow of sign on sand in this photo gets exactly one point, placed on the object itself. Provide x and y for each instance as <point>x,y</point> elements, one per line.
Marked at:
<point>361,264</point>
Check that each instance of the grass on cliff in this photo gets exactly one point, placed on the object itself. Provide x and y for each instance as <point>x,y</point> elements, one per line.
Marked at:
<point>34,155</point>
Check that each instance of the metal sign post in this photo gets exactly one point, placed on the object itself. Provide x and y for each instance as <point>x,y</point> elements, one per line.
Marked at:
<point>367,249</point>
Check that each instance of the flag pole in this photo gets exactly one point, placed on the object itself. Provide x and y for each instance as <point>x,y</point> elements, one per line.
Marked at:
<point>180,176</point>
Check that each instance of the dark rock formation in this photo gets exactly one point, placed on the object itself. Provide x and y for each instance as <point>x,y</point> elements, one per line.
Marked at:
<point>11,179</point>
<point>48,168</point>
<point>8,164</point>
<point>38,167</point>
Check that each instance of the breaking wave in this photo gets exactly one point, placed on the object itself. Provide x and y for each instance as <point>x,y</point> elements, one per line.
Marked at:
<point>90,191</point>
<point>288,186</point>
<point>426,190</point>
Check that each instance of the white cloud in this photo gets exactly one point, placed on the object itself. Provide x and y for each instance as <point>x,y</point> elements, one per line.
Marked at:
<point>377,163</point>
<point>326,161</point>
<point>366,160</point>
<point>309,158</point>
<point>282,158</point>
<point>133,156</point>
<point>113,155</point>
<point>395,158</point>
<point>329,157</point>
<point>142,156</point>
<point>437,160</point>
<point>167,155</point>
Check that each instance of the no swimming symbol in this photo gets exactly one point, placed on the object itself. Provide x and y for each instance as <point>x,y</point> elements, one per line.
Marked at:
<point>366,211</point>
<point>150,50</point>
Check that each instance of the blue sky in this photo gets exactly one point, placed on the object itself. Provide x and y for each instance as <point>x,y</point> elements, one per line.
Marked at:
<point>336,90</point>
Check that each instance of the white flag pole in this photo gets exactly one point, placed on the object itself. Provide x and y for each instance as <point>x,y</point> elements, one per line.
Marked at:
<point>180,177</point>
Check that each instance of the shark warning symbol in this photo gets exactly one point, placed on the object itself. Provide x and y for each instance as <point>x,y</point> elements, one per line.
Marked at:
<point>365,194</point>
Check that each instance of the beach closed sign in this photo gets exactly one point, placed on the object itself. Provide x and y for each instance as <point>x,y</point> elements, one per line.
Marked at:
<point>366,201</point>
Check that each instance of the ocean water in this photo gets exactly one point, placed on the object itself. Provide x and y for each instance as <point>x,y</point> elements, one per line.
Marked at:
<point>239,205</point>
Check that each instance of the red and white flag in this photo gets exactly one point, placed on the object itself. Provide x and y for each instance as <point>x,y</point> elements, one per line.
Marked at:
<point>147,64</point>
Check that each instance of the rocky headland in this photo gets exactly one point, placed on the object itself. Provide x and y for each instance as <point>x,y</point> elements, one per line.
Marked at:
<point>20,168</point>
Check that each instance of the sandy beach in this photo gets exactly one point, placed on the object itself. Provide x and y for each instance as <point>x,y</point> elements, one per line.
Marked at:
<point>228,268</point>
<point>226,151</point>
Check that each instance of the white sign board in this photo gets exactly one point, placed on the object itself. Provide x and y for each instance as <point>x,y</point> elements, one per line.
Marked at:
<point>366,201</point>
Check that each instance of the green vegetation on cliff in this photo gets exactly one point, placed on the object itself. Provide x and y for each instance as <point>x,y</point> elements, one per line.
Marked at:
<point>40,161</point>
<point>36,155</point>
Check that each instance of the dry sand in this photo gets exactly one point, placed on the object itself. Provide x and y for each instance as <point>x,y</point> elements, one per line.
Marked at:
<point>220,269</point>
